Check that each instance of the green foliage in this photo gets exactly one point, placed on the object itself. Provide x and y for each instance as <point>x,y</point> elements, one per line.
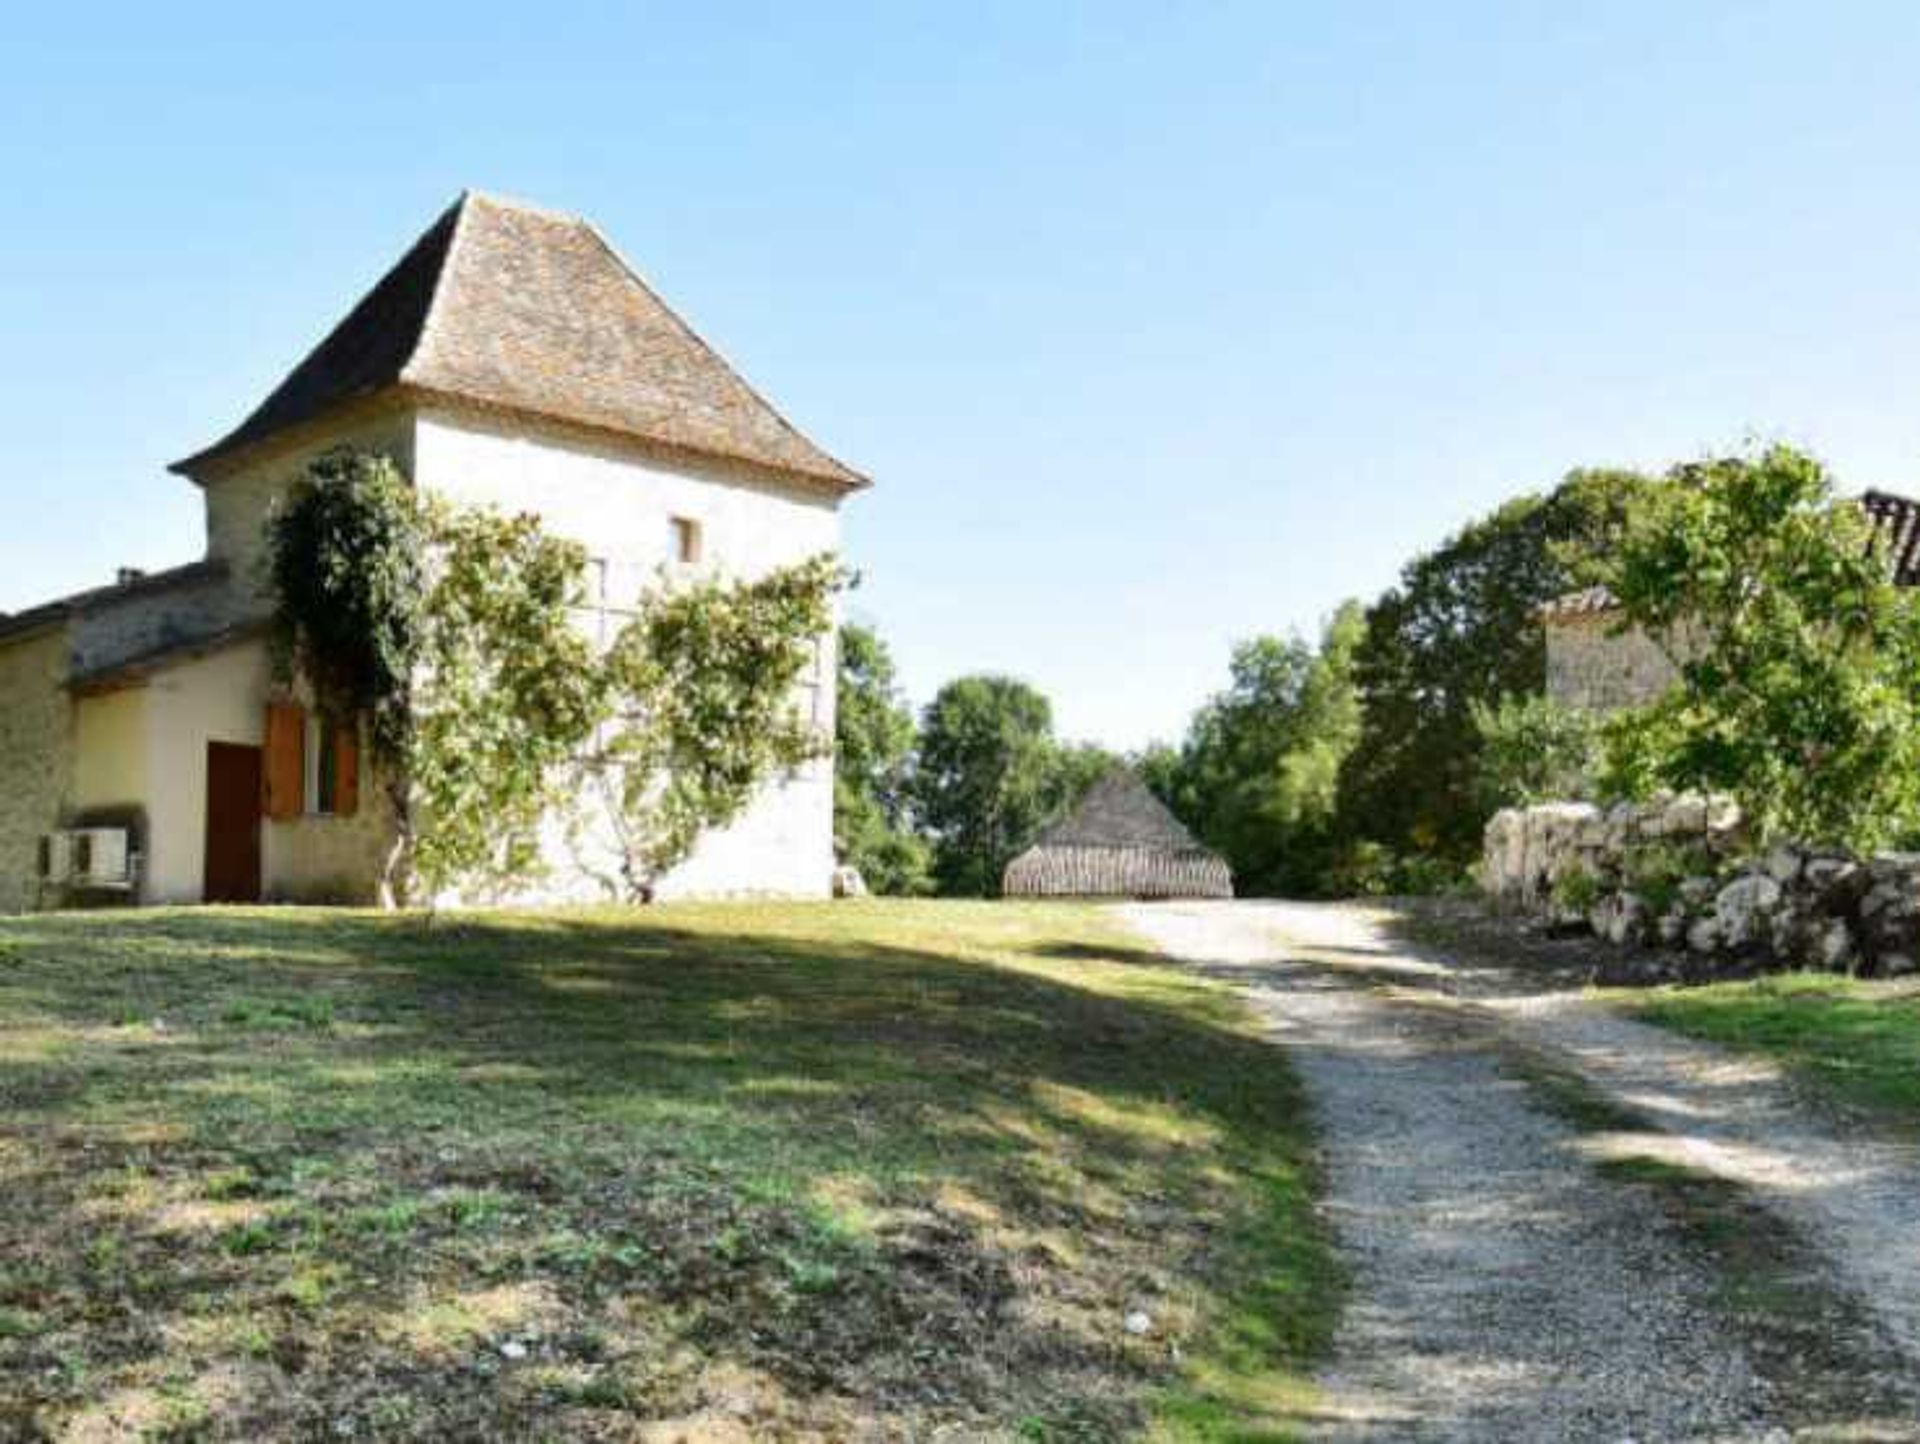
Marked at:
<point>874,740</point>
<point>704,680</point>
<point>990,774</point>
<point>454,629</point>
<point>1656,870</point>
<point>1533,749</point>
<point>1363,868</point>
<point>507,695</point>
<point>1257,776</point>
<point>344,554</point>
<point>1462,627</point>
<point>1797,654</point>
<point>1860,1040</point>
<point>1576,890</point>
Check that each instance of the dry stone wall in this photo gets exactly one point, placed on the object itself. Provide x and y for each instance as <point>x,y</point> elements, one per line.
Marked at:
<point>1677,886</point>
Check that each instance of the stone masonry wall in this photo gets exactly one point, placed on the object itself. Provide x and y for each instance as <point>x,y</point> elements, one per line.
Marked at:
<point>1676,884</point>
<point>35,758</point>
<point>1590,667</point>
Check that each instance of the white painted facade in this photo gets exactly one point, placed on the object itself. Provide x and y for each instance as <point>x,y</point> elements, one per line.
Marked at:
<point>144,746</point>
<point>509,359</point>
<point>620,503</point>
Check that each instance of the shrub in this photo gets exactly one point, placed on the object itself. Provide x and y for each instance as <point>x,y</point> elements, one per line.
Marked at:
<point>1533,749</point>
<point>1576,890</point>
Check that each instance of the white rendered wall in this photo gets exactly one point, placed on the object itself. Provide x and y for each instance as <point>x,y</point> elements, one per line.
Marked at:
<point>217,698</point>
<point>222,697</point>
<point>619,503</point>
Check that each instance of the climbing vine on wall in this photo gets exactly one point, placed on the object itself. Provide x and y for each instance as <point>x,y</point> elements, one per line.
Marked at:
<point>451,629</point>
<point>707,679</point>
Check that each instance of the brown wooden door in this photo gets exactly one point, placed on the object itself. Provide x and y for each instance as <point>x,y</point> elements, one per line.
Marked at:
<point>233,823</point>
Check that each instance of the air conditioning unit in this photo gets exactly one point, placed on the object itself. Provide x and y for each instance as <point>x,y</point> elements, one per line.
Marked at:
<point>101,857</point>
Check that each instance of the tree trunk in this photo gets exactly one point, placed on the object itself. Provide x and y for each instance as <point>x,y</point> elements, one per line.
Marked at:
<point>393,883</point>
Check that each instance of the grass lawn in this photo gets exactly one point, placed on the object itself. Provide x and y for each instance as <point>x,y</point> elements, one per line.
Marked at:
<point>1861,1040</point>
<point>890,1170</point>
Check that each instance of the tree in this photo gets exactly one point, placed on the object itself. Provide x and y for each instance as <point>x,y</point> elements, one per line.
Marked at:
<point>1460,628</point>
<point>874,742</point>
<point>1257,776</point>
<point>1799,658</point>
<point>988,776</point>
<point>703,682</point>
<point>1533,749</point>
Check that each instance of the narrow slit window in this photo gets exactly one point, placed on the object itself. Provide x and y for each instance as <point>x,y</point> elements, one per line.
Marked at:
<point>322,767</point>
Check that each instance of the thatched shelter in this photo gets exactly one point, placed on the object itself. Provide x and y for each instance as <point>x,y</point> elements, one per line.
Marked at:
<point>1119,842</point>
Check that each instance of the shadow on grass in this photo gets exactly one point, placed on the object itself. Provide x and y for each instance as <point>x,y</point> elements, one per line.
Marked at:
<point>866,1164</point>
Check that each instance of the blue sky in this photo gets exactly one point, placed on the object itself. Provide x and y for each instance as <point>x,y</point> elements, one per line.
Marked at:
<point>1159,326</point>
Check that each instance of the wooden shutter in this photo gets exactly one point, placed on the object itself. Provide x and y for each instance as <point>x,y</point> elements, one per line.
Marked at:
<point>284,778</point>
<point>346,769</point>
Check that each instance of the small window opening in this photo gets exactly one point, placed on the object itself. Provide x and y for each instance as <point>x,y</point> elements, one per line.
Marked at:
<point>684,539</point>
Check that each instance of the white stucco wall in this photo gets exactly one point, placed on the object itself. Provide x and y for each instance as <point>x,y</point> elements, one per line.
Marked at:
<point>619,504</point>
<point>110,752</point>
<point>223,698</point>
<point>218,698</point>
<point>147,745</point>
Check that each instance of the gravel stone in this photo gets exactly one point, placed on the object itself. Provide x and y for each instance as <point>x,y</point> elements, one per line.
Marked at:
<point>1502,1289</point>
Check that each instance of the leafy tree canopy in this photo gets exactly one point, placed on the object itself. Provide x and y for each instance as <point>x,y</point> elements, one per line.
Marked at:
<point>990,774</point>
<point>1799,659</point>
<point>345,554</point>
<point>1533,749</point>
<point>1256,777</point>
<point>874,742</point>
<point>1461,628</point>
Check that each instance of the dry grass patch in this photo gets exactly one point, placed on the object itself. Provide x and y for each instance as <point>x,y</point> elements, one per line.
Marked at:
<point>697,1172</point>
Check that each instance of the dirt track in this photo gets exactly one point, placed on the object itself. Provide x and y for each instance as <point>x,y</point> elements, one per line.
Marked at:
<point>1508,1284</point>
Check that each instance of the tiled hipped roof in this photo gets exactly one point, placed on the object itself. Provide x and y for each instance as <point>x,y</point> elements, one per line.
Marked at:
<point>136,587</point>
<point>1896,527</point>
<point>528,311</point>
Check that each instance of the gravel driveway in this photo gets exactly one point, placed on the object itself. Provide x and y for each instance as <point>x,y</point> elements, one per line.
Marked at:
<point>1504,1286</point>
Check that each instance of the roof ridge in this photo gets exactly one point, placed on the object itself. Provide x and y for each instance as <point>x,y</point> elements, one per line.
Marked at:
<point>688,330</point>
<point>459,212</point>
<point>505,202</point>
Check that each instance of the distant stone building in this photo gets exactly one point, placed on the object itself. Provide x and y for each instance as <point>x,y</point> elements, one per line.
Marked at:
<point>1592,663</point>
<point>1595,663</point>
<point>1120,841</point>
<point>510,358</point>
